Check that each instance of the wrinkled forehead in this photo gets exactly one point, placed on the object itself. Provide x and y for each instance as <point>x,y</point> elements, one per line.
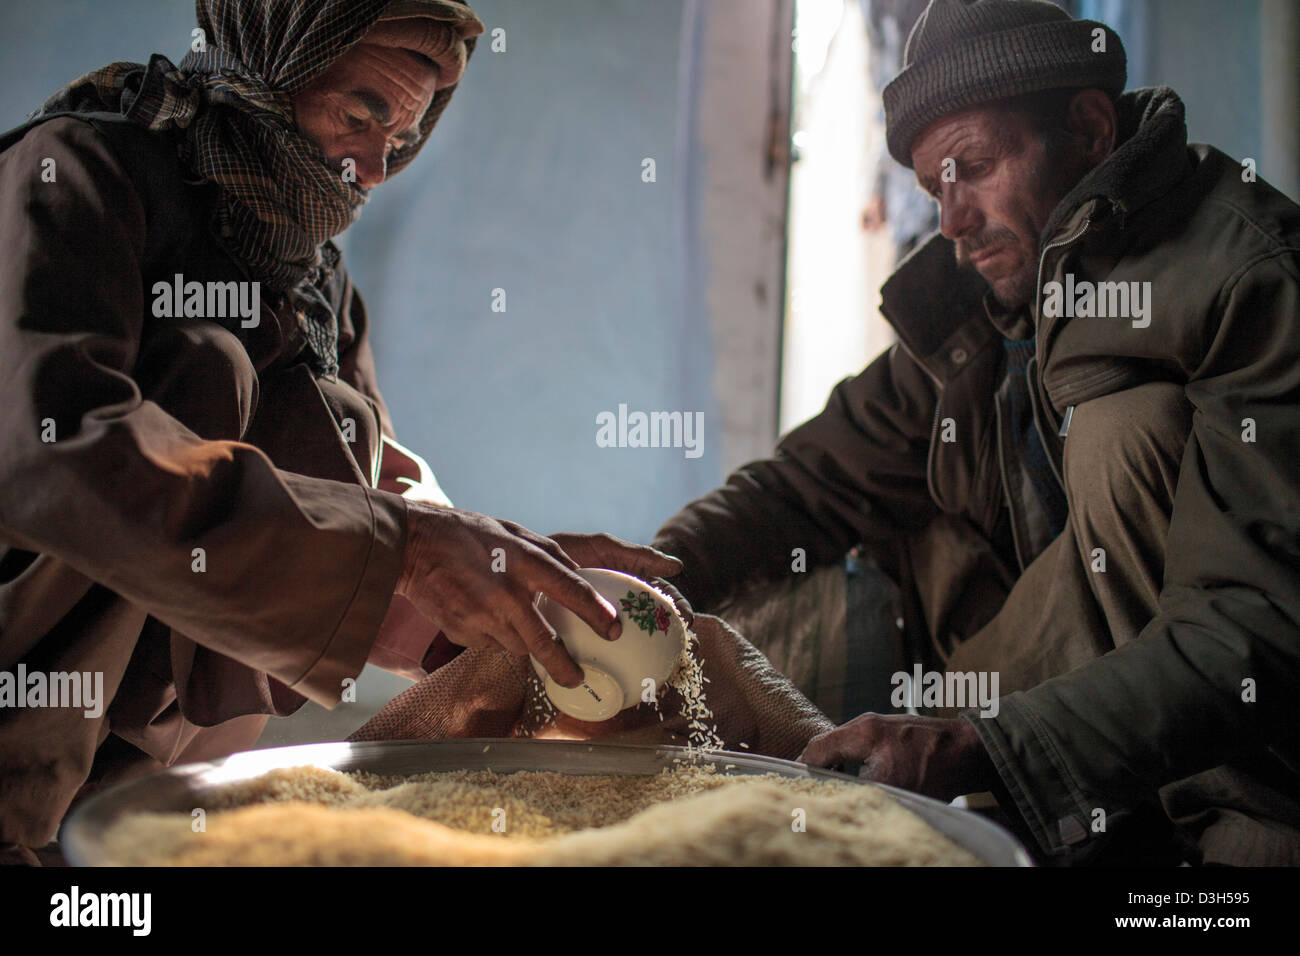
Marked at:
<point>405,80</point>
<point>987,125</point>
<point>288,43</point>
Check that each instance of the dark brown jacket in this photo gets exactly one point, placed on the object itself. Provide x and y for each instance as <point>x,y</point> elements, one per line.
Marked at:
<point>1223,257</point>
<point>171,435</point>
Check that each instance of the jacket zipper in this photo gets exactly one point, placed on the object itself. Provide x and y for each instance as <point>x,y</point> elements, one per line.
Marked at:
<point>1033,393</point>
<point>1035,397</point>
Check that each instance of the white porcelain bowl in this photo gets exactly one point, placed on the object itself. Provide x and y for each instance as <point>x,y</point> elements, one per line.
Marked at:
<point>615,672</point>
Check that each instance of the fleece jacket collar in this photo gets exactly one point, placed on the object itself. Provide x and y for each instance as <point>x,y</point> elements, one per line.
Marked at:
<point>929,297</point>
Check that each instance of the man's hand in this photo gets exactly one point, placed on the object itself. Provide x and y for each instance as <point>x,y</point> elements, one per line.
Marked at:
<point>937,757</point>
<point>474,578</point>
<point>607,551</point>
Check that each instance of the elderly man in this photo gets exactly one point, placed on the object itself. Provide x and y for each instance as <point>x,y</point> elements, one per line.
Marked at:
<point>1079,461</point>
<point>204,515</point>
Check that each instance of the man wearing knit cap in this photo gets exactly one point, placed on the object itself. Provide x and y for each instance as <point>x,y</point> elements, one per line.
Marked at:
<point>204,514</point>
<point>1078,463</point>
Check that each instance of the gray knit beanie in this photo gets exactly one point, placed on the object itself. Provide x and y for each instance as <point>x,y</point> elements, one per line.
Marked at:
<point>962,53</point>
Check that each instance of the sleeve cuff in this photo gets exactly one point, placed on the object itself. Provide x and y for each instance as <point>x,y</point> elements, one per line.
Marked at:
<point>348,649</point>
<point>1036,780</point>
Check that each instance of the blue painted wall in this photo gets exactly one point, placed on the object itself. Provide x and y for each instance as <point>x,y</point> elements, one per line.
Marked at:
<point>532,184</point>
<point>1206,50</point>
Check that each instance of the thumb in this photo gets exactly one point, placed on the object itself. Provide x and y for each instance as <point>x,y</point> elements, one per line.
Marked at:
<point>823,750</point>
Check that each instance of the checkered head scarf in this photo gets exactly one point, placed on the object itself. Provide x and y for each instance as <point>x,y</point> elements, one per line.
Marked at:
<point>280,201</point>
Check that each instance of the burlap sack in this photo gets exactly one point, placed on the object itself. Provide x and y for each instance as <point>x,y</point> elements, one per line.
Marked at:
<point>485,693</point>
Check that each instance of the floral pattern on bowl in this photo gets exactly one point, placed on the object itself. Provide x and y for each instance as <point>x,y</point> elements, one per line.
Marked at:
<point>643,610</point>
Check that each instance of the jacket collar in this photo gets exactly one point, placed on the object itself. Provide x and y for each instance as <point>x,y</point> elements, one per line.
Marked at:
<point>1149,160</point>
<point>929,297</point>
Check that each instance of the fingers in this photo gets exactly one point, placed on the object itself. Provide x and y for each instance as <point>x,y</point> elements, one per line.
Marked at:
<point>522,631</point>
<point>510,639</point>
<point>645,562</point>
<point>536,634</point>
<point>881,743</point>
<point>683,606</point>
<point>855,740</point>
<point>470,601</point>
<point>543,543</point>
<point>823,750</point>
<point>566,588</point>
<point>607,551</point>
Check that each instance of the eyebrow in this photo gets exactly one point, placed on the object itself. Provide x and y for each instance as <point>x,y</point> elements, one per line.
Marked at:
<point>378,107</point>
<point>998,141</point>
<point>929,184</point>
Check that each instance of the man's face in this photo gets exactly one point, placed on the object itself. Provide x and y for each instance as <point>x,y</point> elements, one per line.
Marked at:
<point>1005,187</point>
<point>365,105</point>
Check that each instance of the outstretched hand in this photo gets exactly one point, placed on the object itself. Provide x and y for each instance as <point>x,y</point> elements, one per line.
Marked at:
<point>937,757</point>
<point>651,566</point>
<point>474,578</point>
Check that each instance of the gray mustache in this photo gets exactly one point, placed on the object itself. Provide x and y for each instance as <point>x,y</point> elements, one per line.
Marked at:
<point>975,244</point>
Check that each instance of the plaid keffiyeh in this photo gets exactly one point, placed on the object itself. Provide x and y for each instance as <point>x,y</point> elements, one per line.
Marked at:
<point>280,201</point>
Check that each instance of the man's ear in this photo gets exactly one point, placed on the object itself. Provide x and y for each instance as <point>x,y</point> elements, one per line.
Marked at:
<point>1093,120</point>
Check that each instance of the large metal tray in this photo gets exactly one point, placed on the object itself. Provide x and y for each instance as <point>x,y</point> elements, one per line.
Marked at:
<point>179,789</point>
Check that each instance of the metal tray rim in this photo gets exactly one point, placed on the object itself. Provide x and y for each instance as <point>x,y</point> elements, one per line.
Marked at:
<point>159,790</point>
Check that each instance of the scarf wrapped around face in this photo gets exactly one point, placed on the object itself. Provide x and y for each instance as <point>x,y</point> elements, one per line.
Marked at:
<point>280,201</point>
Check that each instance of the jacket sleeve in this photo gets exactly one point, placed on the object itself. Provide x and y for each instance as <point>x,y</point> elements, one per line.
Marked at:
<point>854,473</point>
<point>1217,670</point>
<point>285,573</point>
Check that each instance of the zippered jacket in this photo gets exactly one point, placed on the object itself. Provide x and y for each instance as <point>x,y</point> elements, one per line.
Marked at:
<point>1215,675</point>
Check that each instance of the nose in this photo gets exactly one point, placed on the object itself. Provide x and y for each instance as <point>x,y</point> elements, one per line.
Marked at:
<point>372,164</point>
<point>957,216</point>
